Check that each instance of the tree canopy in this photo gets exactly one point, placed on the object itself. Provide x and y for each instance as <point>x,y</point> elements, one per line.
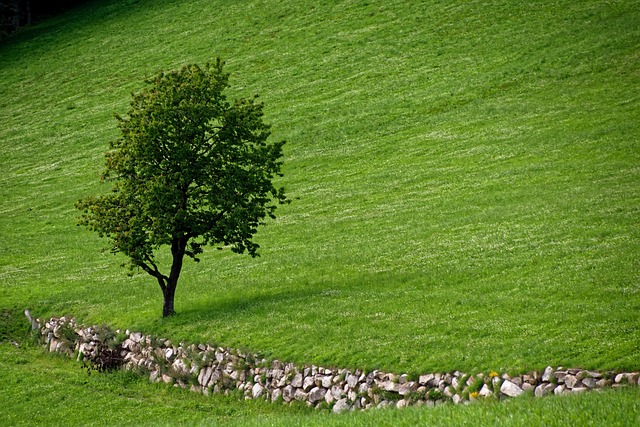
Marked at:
<point>189,169</point>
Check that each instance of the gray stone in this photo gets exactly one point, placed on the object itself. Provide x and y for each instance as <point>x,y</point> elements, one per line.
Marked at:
<point>341,405</point>
<point>570,381</point>
<point>559,389</point>
<point>589,382</point>
<point>510,389</point>
<point>308,383</point>
<point>288,393</point>
<point>406,388</point>
<point>527,386</point>
<point>317,394</point>
<point>579,389</point>
<point>544,389</point>
<point>297,380</point>
<point>390,386</point>
<point>328,397</point>
<point>603,383</point>
<point>276,394</point>
<point>456,398</point>
<point>300,395</point>
<point>352,380</point>
<point>325,381</point>
<point>424,379</point>
<point>257,390</point>
<point>401,404</point>
<point>337,392</point>
<point>485,391</point>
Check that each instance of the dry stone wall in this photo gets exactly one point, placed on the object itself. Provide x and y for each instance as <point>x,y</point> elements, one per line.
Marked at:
<point>211,369</point>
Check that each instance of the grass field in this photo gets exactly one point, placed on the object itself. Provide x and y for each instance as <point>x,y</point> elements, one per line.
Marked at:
<point>465,179</point>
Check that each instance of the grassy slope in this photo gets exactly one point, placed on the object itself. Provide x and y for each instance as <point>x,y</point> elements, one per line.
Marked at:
<point>465,176</point>
<point>40,389</point>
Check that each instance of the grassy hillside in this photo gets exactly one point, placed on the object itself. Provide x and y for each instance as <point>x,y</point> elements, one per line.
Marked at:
<point>465,178</point>
<point>42,389</point>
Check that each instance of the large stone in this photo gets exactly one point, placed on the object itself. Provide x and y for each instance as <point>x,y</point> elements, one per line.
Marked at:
<point>407,388</point>
<point>308,383</point>
<point>317,394</point>
<point>297,380</point>
<point>402,404</point>
<point>341,405</point>
<point>589,382</point>
<point>352,380</point>
<point>337,392</point>
<point>571,381</point>
<point>325,381</point>
<point>424,379</point>
<point>510,389</point>
<point>328,397</point>
<point>300,395</point>
<point>547,374</point>
<point>276,394</point>
<point>288,393</point>
<point>390,386</point>
<point>257,390</point>
<point>485,391</point>
<point>544,389</point>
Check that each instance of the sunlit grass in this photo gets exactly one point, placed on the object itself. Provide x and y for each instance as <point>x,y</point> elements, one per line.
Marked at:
<point>464,177</point>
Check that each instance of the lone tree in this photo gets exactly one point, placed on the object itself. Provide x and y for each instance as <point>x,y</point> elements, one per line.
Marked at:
<point>188,170</point>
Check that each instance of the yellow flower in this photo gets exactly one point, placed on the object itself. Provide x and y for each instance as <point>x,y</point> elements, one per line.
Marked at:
<point>493,374</point>
<point>474,395</point>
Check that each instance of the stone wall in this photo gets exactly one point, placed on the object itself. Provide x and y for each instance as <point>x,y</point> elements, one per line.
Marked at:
<point>208,369</point>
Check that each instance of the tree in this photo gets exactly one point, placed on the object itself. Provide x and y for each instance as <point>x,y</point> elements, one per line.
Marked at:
<point>188,170</point>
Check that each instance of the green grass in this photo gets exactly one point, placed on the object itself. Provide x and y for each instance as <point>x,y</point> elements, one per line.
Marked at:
<point>44,389</point>
<point>465,178</point>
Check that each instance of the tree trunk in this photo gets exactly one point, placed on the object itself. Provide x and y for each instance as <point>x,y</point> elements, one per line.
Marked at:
<point>169,293</point>
<point>178,248</point>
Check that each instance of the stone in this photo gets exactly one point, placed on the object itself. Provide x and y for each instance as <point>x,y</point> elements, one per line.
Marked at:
<point>589,382</point>
<point>328,397</point>
<point>257,390</point>
<point>510,389</point>
<point>424,379</point>
<point>288,393</point>
<point>527,387</point>
<point>456,398</point>
<point>544,389</point>
<point>337,392</point>
<point>406,388</point>
<point>297,380</point>
<point>363,388</point>
<point>455,382</point>
<point>341,406</point>
<point>325,381</point>
<point>448,391</point>
<point>603,383</point>
<point>317,394</point>
<point>352,380</point>
<point>276,394</point>
<point>401,404</point>
<point>136,337</point>
<point>579,389</point>
<point>300,395</point>
<point>559,389</point>
<point>571,381</point>
<point>485,391</point>
<point>308,383</point>
<point>619,378</point>
<point>390,386</point>
<point>594,374</point>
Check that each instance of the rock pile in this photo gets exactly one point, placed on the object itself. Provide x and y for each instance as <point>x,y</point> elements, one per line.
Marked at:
<point>207,369</point>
